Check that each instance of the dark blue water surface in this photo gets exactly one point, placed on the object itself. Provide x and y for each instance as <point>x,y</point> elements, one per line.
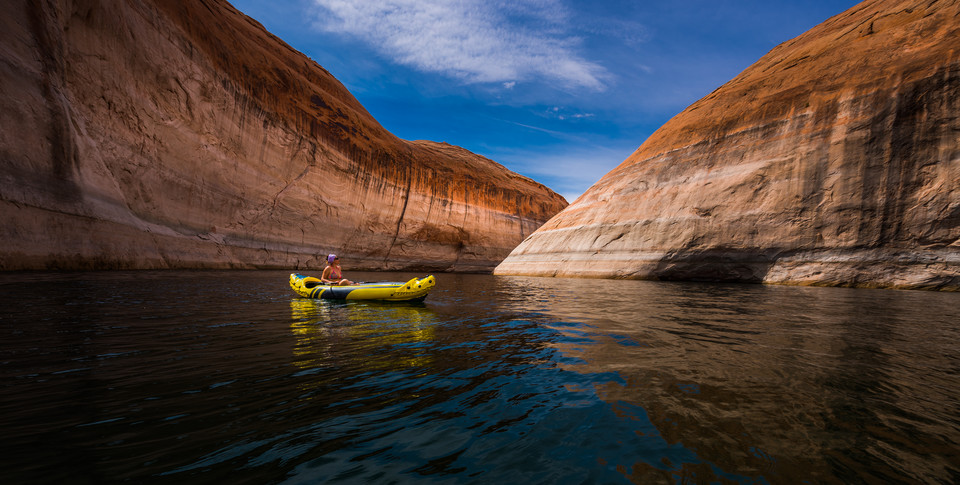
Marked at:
<point>229,377</point>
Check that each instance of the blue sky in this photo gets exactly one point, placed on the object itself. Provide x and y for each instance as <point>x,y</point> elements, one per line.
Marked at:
<point>561,91</point>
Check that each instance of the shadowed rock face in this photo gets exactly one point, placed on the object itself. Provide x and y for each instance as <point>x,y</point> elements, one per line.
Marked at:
<point>834,160</point>
<point>155,134</point>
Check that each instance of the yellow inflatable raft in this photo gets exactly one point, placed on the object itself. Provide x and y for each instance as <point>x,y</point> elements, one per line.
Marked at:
<point>413,290</point>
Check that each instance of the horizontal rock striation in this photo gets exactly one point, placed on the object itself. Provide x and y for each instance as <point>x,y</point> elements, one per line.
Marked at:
<point>154,134</point>
<point>833,160</point>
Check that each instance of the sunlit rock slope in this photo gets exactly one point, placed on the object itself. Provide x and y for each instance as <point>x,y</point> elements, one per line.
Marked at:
<point>181,134</point>
<point>833,160</point>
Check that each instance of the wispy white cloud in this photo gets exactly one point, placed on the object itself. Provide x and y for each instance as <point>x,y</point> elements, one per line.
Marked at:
<point>564,114</point>
<point>478,41</point>
<point>570,172</point>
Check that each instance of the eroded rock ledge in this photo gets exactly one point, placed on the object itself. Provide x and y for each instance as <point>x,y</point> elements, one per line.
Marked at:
<point>155,134</point>
<point>833,160</point>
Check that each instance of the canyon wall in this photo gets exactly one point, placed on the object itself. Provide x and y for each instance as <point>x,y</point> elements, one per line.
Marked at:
<point>155,134</point>
<point>833,160</point>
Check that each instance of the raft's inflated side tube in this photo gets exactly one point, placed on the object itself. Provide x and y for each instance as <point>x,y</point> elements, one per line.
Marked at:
<point>413,290</point>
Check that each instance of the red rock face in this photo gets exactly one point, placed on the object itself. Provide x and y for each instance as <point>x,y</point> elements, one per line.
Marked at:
<point>834,160</point>
<point>155,134</point>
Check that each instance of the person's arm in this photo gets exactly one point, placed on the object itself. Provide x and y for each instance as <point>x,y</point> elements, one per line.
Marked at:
<point>326,273</point>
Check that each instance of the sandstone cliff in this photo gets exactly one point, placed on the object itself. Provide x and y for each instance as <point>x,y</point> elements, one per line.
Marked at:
<point>155,134</point>
<point>833,160</point>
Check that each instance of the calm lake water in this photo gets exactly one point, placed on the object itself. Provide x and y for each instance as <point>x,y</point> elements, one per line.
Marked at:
<point>229,377</point>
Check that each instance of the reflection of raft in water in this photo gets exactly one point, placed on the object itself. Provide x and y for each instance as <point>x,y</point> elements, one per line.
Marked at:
<point>413,290</point>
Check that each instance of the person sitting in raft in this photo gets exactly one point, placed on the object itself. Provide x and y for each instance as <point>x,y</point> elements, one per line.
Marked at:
<point>332,274</point>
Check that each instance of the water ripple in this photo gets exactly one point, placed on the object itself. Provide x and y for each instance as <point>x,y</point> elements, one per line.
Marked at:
<point>153,377</point>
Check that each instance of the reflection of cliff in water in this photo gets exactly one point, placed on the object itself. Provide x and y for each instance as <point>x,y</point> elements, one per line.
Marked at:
<point>360,334</point>
<point>769,381</point>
